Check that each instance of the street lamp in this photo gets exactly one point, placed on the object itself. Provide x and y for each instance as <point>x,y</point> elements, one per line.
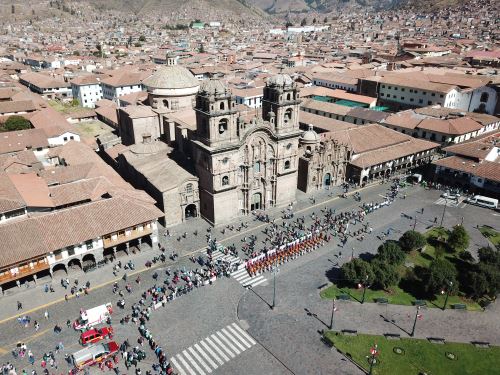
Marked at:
<point>352,254</point>
<point>275,271</point>
<point>444,210</point>
<point>417,315</point>
<point>333,312</point>
<point>364,289</point>
<point>450,284</point>
<point>373,353</point>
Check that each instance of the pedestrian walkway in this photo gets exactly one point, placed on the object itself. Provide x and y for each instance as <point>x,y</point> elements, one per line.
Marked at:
<point>241,274</point>
<point>213,351</point>
<point>245,279</point>
<point>450,203</point>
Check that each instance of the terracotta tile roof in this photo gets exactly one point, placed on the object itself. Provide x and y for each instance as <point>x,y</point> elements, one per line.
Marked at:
<point>38,235</point>
<point>485,169</point>
<point>138,111</point>
<point>456,126</point>
<point>108,112</point>
<point>21,140</point>
<point>323,123</point>
<point>10,199</point>
<point>79,191</point>
<point>43,81</point>
<point>17,106</point>
<point>64,175</point>
<point>33,189</point>
<point>318,105</point>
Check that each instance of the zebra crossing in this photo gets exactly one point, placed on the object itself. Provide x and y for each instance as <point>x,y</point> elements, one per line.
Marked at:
<point>245,279</point>
<point>213,351</point>
<point>450,203</point>
<point>241,274</point>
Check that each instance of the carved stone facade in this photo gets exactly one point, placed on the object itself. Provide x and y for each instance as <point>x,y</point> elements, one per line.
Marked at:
<point>323,162</point>
<point>242,165</point>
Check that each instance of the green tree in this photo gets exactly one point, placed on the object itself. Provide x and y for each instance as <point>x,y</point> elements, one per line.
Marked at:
<point>357,271</point>
<point>412,240</point>
<point>75,102</point>
<point>478,283</point>
<point>142,38</point>
<point>16,123</point>
<point>459,238</point>
<point>386,274</point>
<point>390,252</point>
<point>439,275</point>
<point>489,255</point>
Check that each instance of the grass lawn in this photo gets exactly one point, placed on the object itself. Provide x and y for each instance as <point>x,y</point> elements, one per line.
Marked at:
<point>92,128</point>
<point>65,108</point>
<point>419,356</point>
<point>491,234</point>
<point>397,296</point>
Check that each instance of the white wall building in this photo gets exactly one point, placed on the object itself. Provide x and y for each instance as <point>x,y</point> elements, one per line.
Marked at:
<point>87,90</point>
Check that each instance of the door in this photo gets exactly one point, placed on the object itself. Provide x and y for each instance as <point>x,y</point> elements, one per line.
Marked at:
<point>256,202</point>
<point>327,180</point>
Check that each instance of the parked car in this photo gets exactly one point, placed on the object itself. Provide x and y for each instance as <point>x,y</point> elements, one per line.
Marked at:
<point>450,195</point>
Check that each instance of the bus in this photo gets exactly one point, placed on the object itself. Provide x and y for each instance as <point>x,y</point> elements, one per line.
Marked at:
<point>482,201</point>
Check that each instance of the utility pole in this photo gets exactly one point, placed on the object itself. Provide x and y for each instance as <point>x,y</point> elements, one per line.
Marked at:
<point>364,289</point>
<point>450,284</point>
<point>275,271</point>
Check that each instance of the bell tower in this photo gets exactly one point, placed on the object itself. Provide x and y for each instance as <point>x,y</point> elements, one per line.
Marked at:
<point>280,104</point>
<point>215,114</point>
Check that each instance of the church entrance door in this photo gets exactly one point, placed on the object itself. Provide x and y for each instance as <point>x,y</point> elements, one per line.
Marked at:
<point>190,211</point>
<point>256,202</point>
<point>327,180</point>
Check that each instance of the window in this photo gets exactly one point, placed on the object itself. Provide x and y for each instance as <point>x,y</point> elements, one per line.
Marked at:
<point>221,106</point>
<point>223,126</point>
<point>225,181</point>
<point>411,99</point>
<point>71,251</point>
<point>484,97</point>
<point>394,96</point>
<point>383,86</point>
<point>89,244</point>
<point>443,138</point>
<point>429,102</point>
<point>433,94</point>
<point>395,89</point>
<point>256,167</point>
<point>420,101</point>
<point>189,188</point>
<point>402,98</point>
<point>424,93</point>
<point>403,89</point>
<point>389,87</point>
<point>381,94</point>
<point>287,164</point>
<point>441,96</point>
<point>71,137</point>
<point>65,139</point>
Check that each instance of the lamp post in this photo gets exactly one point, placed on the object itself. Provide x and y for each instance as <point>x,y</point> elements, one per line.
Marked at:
<point>450,284</point>
<point>352,254</point>
<point>364,289</point>
<point>415,322</point>
<point>275,271</point>
<point>373,353</point>
<point>444,210</point>
<point>333,312</point>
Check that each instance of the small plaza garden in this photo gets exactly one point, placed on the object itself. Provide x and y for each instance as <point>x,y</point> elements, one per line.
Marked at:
<point>431,268</point>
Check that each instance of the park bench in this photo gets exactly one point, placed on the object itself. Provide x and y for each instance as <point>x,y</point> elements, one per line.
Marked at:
<point>350,332</point>
<point>392,336</point>
<point>419,302</point>
<point>459,306</point>
<point>382,301</point>
<point>344,297</point>
<point>436,340</point>
<point>481,344</point>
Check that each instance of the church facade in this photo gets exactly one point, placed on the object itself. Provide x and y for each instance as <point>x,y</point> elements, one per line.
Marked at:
<point>246,165</point>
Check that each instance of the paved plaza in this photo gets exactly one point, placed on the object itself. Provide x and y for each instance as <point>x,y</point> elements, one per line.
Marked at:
<point>228,327</point>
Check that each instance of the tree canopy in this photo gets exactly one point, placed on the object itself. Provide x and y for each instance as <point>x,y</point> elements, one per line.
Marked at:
<point>16,123</point>
<point>439,275</point>
<point>357,271</point>
<point>391,252</point>
<point>459,238</point>
<point>386,274</point>
<point>412,240</point>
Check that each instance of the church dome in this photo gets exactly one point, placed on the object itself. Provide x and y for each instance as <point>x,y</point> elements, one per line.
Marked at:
<point>280,80</point>
<point>213,87</point>
<point>149,148</point>
<point>169,78</point>
<point>310,136</point>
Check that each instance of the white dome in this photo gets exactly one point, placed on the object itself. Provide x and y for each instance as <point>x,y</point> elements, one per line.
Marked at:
<point>171,77</point>
<point>310,136</point>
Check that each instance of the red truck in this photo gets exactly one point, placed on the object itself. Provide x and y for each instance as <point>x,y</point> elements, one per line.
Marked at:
<point>95,354</point>
<point>95,335</point>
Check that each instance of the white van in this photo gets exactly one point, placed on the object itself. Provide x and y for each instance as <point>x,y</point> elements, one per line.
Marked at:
<point>91,317</point>
<point>482,201</point>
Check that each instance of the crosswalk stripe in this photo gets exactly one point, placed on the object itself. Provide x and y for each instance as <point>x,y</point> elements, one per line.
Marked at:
<point>203,363</point>
<point>216,339</point>
<point>212,353</point>
<point>217,349</point>
<point>231,329</point>
<point>239,272</point>
<point>243,279</point>
<point>259,282</point>
<point>223,338</point>
<point>243,333</point>
<point>186,354</point>
<point>177,366</point>
<point>206,356</point>
<point>251,281</point>
<point>186,366</point>
<point>231,338</point>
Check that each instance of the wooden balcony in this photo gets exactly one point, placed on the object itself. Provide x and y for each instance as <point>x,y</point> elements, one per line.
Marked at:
<point>23,271</point>
<point>122,238</point>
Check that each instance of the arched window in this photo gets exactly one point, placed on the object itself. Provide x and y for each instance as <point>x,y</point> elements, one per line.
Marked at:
<point>225,181</point>
<point>288,96</point>
<point>223,126</point>
<point>189,188</point>
<point>221,106</point>
<point>287,164</point>
<point>256,166</point>
<point>165,103</point>
<point>288,115</point>
<point>484,97</point>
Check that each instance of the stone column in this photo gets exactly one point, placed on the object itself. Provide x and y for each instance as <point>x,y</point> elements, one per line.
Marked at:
<point>140,243</point>
<point>114,251</point>
<point>34,278</point>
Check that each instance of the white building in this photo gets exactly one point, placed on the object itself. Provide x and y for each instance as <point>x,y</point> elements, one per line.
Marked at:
<point>87,89</point>
<point>251,97</point>
<point>336,81</point>
<point>120,85</point>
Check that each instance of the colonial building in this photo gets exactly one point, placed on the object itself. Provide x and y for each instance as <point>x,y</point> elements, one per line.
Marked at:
<point>246,165</point>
